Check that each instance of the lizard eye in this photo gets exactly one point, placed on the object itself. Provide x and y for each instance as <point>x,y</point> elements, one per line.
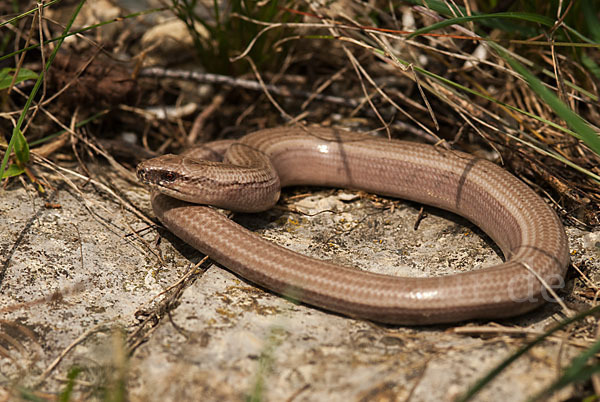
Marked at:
<point>168,177</point>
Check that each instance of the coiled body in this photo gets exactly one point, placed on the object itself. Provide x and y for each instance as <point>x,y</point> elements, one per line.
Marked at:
<point>527,231</point>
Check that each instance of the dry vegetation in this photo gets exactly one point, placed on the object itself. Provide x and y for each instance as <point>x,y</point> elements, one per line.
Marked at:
<point>350,64</point>
<point>453,84</point>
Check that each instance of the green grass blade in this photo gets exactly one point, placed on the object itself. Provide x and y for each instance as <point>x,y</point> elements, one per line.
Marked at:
<point>556,156</point>
<point>77,125</point>
<point>509,360</point>
<point>486,97</point>
<point>573,120</point>
<point>440,7</point>
<point>15,138</point>
<point>443,8</point>
<point>591,19</point>
<point>65,395</point>
<point>6,77</point>
<point>540,19</point>
<point>578,371</point>
<point>591,66</point>
<point>452,84</point>
<point>12,171</point>
<point>580,361</point>
<point>450,11</point>
<point>26,13</point>
<point>21,147</point>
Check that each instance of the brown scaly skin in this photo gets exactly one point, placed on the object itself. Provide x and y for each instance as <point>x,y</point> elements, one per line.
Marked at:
<point>528,231</point>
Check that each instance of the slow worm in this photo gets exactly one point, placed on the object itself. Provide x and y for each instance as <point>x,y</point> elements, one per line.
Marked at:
<point>254,168</point>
